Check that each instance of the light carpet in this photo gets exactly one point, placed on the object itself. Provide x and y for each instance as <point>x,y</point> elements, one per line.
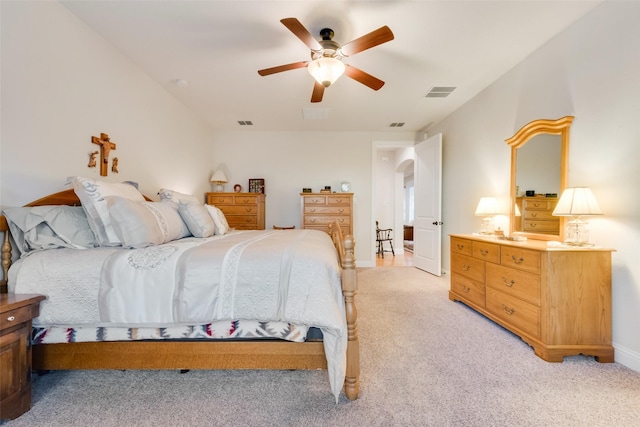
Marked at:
<point>426,361</point>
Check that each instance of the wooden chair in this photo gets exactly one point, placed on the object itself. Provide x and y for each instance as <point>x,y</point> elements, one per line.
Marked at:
<point>384,235</point>
<point>275,227</point>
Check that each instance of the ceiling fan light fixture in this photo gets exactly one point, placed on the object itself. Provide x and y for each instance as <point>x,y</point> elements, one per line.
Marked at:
<point>326,70</point>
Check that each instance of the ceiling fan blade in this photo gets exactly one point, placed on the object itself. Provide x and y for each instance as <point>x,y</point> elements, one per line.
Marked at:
<point>302,33</point>
<point>362,77</point>
<point>318,91</point>
<point>374,38</point>
<point>282,68</point>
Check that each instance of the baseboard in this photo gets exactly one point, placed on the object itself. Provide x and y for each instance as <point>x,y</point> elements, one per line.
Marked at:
<point>627,357</point>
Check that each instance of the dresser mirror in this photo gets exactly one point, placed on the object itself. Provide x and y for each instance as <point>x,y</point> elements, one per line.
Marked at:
<point>539,169</point>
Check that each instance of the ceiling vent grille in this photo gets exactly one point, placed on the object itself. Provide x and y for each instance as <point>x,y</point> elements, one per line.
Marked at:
<point>440,92</point>
<point>245,122</point>
<point>396,125</point>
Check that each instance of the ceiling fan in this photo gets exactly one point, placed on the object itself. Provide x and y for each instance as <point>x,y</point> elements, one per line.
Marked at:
<point>326,57</point>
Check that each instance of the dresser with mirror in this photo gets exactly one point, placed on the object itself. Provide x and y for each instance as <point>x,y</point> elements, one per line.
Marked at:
<point>556,298</point>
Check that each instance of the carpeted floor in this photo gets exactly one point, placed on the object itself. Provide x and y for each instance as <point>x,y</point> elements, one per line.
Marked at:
<point>426,361</point>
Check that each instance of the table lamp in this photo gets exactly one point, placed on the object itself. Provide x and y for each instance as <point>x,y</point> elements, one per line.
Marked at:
<point>577,202</point>
<point>219,179</point>
<point>487,208</point>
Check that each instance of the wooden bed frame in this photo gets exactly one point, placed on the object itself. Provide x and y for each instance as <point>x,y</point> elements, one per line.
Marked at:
<point>200,354</point>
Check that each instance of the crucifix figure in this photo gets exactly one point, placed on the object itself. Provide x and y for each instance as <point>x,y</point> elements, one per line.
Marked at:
<point>105,148</point>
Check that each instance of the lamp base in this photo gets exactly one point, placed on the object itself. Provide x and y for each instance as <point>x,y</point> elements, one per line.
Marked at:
<point>577,233</point>
<point>487,226</point>
<point>219,188</point>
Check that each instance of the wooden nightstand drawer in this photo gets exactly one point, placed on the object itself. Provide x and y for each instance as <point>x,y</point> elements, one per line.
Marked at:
<point>517,283</point>
<point>240,210</point>
<point>339,201</point>
<point>16,316</point>
<point>315,200</point>
<point>246,200</point>
<point>513,311</point>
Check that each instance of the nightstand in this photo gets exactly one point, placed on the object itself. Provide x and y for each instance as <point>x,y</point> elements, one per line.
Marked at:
<point>16,312</point>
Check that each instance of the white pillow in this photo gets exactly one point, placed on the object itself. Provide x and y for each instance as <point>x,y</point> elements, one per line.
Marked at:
<point>197,218</point>
<point>174,196</point>
<point>222,226</point>
<point>92,195</point>
<point>142,224</point>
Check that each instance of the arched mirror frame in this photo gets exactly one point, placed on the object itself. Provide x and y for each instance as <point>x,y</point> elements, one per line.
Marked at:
<point>543,126</point>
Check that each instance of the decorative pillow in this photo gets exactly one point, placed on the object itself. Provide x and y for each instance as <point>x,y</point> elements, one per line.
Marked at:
<point>197,218</point>
<point>46,227</point>
<point>142,224</point>
<point>92,194</point>
<point>174,196</point>
<point>222,226</point>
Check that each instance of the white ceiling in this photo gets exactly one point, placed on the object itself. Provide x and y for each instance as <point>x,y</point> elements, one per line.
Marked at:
<point>217,46</point>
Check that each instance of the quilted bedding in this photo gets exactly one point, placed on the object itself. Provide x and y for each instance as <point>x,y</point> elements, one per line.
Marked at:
<point>265,276</point>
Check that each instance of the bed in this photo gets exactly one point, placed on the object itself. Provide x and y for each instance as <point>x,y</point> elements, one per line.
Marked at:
<point>337,351</point>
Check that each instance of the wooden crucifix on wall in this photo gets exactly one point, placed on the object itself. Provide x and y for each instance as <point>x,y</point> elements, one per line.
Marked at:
<point>105,148</point>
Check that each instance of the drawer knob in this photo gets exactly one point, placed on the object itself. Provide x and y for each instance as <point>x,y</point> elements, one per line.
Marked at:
<point>465,289</point>
<point>340,210</point>
<point>247,210</point>
<point>312,210</point>
<point>484,252</point>
<point>11,318</point>
<point>460,247</point>
<point>466,267</point>
<point>517,260</point>
<point>509,311</point>
<point>510,283</point>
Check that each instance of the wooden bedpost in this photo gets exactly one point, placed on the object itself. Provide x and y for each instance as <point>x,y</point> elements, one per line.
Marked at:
<point>6,255</point>
<point>349,290</point>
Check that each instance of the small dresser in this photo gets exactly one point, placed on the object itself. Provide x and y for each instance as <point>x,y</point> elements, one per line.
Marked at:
<point>16,313</point>
<point>537,215</point>
<point>321,209</point>
<point>557,299</point>
<point>244,211</point>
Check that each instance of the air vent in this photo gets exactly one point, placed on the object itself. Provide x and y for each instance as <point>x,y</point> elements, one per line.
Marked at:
<point>440,92</point>
<point>245,122</point>
<point>315,113</point>
<point>396,125</point>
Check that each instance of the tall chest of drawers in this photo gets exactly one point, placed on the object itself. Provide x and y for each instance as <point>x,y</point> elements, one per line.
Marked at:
<point>321,209</point>
<point>558,300</point>
<point>244,211</point>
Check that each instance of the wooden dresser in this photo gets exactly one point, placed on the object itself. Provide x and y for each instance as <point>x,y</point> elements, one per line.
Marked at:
<point>244,211</point>
<point>537,215</point>
<point>321,209</point>
<point>558,300</point>
<point>16,312</point>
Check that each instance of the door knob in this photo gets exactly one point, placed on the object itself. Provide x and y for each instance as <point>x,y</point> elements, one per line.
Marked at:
<point>437,223</point>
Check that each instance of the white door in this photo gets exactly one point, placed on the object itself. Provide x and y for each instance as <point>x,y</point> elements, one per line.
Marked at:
<point>427,222</point>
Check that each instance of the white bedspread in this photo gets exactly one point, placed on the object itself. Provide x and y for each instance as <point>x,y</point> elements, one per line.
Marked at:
<point>291,276</point>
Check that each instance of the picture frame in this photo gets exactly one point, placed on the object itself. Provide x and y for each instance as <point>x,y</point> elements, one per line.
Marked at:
<point>256,185</point>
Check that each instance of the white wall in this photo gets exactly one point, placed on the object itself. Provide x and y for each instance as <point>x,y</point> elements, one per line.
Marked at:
<point>61,84</point>
<point>290,161</point>
<point>589,71</point>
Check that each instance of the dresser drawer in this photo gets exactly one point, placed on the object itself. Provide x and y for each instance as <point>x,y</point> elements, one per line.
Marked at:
<point>468,266</point>
<point>315,200</point>
<point>486,251</point>
<point>212,199</point>
<point>240,210</point>
<point>461,246</point>
<point>513,311</point>
<point>326,220</point>
<point>540,226</point>
<point>540,215</point>
<point>329,210</point>
<point>246,200</point>
<point>468,289</point>
<point>539,204</point>
<point>237,221</point>
<point>517,283</point>
<point>339,201</point>
<point>522,259</point>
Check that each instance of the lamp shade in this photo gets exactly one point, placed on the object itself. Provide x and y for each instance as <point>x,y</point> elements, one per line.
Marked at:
<point>577,201</point>
<point>219,177</point>
<point>488,206</point>
<point>326,70</point>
